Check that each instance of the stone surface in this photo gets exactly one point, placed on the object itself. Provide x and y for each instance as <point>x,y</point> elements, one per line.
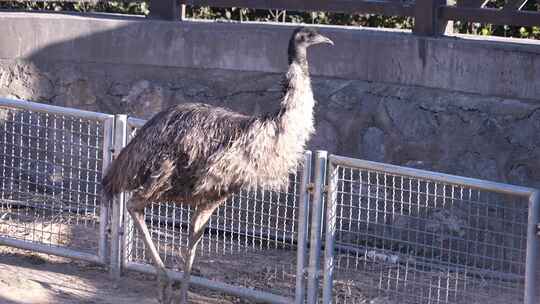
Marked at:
<point>485,66</point>
<point>373,144</point>
<point>486,137</point>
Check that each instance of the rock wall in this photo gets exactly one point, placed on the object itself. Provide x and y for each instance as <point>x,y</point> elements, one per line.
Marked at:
<point>467,134</point>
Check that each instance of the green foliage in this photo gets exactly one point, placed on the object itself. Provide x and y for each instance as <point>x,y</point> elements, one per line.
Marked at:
<point>119,7</point>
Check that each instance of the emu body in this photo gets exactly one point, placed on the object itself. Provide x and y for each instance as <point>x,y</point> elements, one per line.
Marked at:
<point>198,155</point>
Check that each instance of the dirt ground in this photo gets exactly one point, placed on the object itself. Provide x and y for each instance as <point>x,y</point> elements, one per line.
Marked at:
<point>32,278</point>
<point>28,277</point>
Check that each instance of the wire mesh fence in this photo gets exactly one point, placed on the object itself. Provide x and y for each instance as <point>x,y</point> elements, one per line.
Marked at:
<point>416,240</point>
<point>407,235</point>
<point>51,164</point>
<point>250,241</point>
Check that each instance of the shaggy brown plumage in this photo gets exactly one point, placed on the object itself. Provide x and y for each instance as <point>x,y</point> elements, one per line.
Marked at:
<point>198,155</point>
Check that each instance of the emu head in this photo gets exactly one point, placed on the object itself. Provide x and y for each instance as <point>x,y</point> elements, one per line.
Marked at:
<point>305,37</point>
<point>301,39</point>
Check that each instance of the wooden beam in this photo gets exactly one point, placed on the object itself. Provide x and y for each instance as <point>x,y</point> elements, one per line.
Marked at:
<point>388,7</point>
<point>165,9</point>
<point>489,15</point>
<point>472,3</point>
<point>426,18</point>
<point>513,5</point>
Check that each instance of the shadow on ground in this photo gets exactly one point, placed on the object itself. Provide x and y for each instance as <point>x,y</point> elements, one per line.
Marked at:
<point>32,278</point>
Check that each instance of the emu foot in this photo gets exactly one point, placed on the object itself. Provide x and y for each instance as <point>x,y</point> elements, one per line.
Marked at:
<point>165,292</point>
<point>196,271</point>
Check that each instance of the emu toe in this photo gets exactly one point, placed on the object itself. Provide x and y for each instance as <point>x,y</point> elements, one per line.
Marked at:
<point>165,293</point>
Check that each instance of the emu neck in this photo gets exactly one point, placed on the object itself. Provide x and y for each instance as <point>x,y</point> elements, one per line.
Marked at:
<point>298,55</point>
<point>296,113</point>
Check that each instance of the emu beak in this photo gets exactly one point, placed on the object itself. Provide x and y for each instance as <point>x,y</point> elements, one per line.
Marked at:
<point>323,39</point>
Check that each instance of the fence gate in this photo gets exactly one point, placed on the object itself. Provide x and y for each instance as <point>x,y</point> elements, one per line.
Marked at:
<point>52,159</point>
<point>410,236</point>
<point>254,246</point>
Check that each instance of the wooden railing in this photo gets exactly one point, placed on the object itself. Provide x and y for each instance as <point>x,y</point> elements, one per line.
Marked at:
<point>475,11</point>
<point>430,16</point>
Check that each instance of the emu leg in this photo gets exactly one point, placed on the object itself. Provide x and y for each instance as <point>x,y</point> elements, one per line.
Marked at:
<point>136,210</point>
<point>198,224</point>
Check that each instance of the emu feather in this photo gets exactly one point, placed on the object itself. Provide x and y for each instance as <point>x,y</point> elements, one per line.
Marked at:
<point>198,155</point>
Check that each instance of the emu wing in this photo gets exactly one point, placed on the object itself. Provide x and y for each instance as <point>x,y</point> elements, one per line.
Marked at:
<point>167,154</point>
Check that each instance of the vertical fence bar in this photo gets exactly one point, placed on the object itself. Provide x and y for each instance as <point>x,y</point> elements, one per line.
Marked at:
<point>426,18</point>
<point>330,234</point>
<point>303,226</point>
<point>182,12</point>
<point>120,135</point>
<point>128,235</point>
<point>533,249</point>
<point>165,9</point>
<point>316,221</point>
<point>108,129</point>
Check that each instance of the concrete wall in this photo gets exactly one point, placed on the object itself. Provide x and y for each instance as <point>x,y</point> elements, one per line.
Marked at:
<point>455,104</point>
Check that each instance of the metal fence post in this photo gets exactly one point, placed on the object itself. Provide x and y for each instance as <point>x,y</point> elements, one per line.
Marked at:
<point>330,234</point>
<point>108,142</point>
<point>120,137</point>
<point>165,9</point>
<point>183,12</point>
<point>427,21</point>
<point>303,226</point>
<point>316,226</point>
<point>533,249</point>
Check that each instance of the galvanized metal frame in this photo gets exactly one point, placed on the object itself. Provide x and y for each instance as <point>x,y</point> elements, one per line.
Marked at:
<point>129,124</point>
<point>316,226</point>
<point>100,257</point>
<point>303,229</point>
<point>533,196</point>
<point>117,220</point>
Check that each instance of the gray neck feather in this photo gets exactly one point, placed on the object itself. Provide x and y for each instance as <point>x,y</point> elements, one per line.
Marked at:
<point>296,111</point>
<point>298,55</point>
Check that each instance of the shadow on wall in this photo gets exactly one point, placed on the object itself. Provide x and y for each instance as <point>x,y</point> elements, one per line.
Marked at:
<point>134,67</point>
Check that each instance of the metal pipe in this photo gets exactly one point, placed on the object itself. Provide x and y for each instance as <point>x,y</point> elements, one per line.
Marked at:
<point>433,176</point>
<point>40,107</point>
<point>316,220</point>
<point>59,251</point>
<point>303,226</point>
<point>533,249</point>
<point>104,205</point>
<point>120,134</point>
<point>135,122</point>
<point>242,292</point>
<point>331,208</point>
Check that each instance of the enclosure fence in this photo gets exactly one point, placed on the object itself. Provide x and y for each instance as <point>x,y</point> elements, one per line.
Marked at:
<point>351,231</point>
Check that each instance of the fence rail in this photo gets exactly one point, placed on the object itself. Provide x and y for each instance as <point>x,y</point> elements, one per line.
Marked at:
<point>385,7</point>
<point>419,236</point>
<point>490,15</point>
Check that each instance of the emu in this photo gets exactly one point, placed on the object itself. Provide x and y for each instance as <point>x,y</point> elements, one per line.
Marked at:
<point>198,155</point>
